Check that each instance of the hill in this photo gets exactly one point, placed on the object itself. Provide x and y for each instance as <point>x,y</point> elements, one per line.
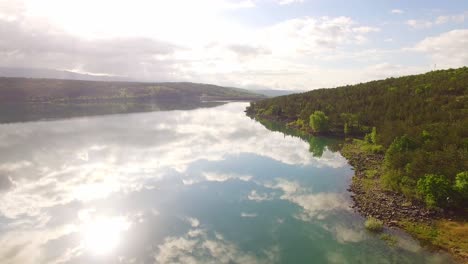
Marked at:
<point>21,90</point>
<point>419,122</point>
<point>274,93</point>
<point>407,139</point>
<point>56,74</point>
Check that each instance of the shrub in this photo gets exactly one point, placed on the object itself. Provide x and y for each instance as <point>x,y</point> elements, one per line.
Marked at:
<point>391,240</point>
<point>373,224</point>
<point>434,189</point>
<point>318,121</point>
<point>461,184</point>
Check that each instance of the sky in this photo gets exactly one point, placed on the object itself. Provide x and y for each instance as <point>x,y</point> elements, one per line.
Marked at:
<point>277,44</point>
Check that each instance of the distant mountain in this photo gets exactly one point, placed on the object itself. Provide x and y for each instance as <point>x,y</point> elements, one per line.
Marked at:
<point>275,93</point>
<point>55,74</point>
<point>54,90</point>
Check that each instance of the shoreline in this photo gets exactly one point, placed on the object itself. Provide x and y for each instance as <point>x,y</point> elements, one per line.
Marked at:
<point>395,210</point>
<point>434,228</point>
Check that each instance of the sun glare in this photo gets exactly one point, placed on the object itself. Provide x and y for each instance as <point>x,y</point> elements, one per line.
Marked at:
<point>103,234</point>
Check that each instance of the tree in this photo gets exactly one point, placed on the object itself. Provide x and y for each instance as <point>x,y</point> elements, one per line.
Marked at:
<point>318,121</point>
<point>374,135</point>
<point>434,189</point>
<point>461,184</point>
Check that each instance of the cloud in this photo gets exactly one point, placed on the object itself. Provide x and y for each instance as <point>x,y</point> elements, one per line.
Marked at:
<point>248,215</point>
<point>459,18</point>
<point>208,49</point>
<point>440,20</point>
<point>43,47</point>
<point>419,24</point>
<point>5,183</point>
<point>248,51</point>
<point>397,11</point>
<point>447,49</point>
<point>222,177</point>
<point>119,162</point>
<point>288,2</point>
<point>205,247</point>
<point>259,197</point>
<point>314,205</point>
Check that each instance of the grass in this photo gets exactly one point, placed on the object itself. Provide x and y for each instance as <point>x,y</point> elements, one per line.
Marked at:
<point>391,240</point>
<point>371,173</point>
<point>374,225</point>
<point>450,235</point>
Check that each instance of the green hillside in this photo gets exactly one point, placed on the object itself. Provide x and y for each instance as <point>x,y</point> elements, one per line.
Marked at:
<point>50,90</point>
<point>419,122</point>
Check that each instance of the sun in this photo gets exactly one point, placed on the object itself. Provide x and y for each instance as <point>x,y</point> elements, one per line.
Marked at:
<point>102,235</point>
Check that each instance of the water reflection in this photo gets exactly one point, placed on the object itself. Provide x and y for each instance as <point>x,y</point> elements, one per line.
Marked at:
<point>206,185</point>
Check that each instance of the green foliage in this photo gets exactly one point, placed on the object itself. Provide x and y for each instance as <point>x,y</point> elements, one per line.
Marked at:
<point>419,122</point>
<point>434,189</point>
<point>398,153</point>
<point>461,184</point>
<point>318,121</point>
<point>374,135</point>
<point>391,240</point>
<point>371,173</point>
<point>373,224</point>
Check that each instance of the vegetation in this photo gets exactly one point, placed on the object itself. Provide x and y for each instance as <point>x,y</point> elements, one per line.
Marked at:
<point>419,122</point>
<point>451,235</point>
<point>318,121</point>
<point>20,90</point>
<point>373,224</point>
<point>391,240</point>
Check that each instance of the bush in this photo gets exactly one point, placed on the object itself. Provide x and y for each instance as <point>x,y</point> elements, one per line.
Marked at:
<point>318,121</point>
<point>391,240</point>
<point>461,184</point>
<point>434,189</point>
<point>373,224</point>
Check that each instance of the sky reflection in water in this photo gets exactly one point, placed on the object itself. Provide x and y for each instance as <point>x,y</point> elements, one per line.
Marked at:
<point>207,185</point>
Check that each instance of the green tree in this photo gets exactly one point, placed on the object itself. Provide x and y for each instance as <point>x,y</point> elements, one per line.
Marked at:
<point>434,189</point>
<point>373,135</point>
<point>318,121</point>
<point>461,184</point>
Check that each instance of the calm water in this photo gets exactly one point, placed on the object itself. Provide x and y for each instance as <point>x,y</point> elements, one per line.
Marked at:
<point>207,185</point>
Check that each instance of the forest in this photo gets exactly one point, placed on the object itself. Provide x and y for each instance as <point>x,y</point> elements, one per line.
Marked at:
<point>419,123</point>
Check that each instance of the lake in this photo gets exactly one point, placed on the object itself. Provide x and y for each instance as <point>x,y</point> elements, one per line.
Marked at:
<point>203,185</point>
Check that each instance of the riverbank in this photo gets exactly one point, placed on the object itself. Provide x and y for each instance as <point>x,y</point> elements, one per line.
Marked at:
<point>435,228</point>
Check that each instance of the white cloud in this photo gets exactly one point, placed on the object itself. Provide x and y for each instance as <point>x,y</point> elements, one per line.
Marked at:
<point>248,215</point>
<point>222,177</point>
<point>447,49</point>
<point>419,24</point>
<point>440,20</point>
<point>314,205</point>
<point>459,18</point>
<point>200,246</point>
<point>205,134</point>
<point>288,2</point>
<point>258,197</point>
<point>210,48</point>
<point>397,11</point>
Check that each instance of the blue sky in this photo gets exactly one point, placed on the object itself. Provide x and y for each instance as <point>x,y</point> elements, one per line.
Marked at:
<point>281,44</point>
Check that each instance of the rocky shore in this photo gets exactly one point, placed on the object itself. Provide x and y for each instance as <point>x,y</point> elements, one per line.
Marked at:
<point>395,210</point>
<point>371,200</point>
